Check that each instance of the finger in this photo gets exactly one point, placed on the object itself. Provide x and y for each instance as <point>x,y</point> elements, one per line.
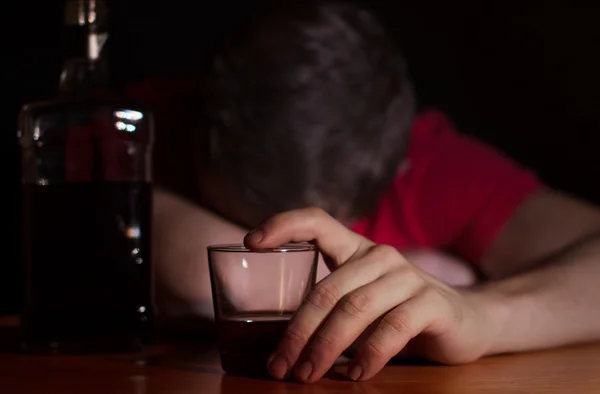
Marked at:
<point>309,224</point>
<point>399,326</point>
<point>352,315</point>
<point>321,301</point>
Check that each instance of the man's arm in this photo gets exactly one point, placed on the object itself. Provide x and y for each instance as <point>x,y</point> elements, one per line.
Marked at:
<point>544,225</point>
<point>546,266</point>
<point>374,287</point>
<point>181,232</point>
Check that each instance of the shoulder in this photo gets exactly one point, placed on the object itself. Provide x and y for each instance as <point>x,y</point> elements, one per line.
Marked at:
<point>454,191</point>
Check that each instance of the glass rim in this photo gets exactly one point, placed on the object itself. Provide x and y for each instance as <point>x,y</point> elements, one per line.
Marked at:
<point>240,248</point>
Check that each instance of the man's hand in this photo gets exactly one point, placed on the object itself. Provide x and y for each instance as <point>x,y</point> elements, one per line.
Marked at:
<point>371,285</point>
<point>446,268</point>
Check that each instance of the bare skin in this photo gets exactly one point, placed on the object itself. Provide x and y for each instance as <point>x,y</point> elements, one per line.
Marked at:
<point>544,270</point>
<point>376,285</point>
<point>182,230</point>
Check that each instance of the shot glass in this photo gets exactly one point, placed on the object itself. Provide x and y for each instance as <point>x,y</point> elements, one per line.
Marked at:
<point>255,293</point>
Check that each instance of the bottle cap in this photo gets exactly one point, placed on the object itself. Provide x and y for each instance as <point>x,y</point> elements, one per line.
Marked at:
<point>85,12</point>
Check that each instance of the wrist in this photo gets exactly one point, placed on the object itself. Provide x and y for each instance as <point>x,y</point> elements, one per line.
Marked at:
<point>496,311</point>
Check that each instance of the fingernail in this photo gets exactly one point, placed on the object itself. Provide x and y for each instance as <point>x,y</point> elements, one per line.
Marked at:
<point>254,236</point>
<point>277,366</point>
<point>303,372</point>
<point>355,372</point>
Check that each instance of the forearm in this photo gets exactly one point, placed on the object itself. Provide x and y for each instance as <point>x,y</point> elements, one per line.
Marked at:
<point>553,305</point>
<point>181,232</point>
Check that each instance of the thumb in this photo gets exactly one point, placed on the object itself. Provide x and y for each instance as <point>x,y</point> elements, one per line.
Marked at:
<point>337,243</point>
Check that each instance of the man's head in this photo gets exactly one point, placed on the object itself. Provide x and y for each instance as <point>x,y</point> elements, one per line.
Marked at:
<point>305,106</point>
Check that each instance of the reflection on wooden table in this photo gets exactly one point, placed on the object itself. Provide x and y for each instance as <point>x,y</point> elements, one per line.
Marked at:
<point>194,368</point>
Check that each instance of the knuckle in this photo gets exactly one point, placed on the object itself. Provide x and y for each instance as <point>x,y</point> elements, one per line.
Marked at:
<point>375,348</point>
<point>295,336</point>
<point>397,322</point>
<point>387,253</point>
<point>317,213</point>
<point>430,295</point>
<point>315,218</point>
<point>355,303</point>
<point>277,221</point>
<point>412,279</point>
<point>324,341</point>
<point>324,296</point>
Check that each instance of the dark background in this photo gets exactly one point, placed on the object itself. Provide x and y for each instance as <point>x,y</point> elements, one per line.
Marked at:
<point>524,78</point>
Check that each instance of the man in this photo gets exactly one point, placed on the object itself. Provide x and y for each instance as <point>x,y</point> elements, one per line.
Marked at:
<point>311,106</point>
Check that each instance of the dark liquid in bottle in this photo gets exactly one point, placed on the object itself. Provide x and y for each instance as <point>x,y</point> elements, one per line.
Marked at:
<point>247,341</point>
<point>88,275</point>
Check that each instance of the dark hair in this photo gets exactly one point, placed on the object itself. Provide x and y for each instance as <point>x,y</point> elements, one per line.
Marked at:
<point>309,105</point>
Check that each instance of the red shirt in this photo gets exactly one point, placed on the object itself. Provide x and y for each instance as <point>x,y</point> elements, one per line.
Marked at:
<point>452,193</point>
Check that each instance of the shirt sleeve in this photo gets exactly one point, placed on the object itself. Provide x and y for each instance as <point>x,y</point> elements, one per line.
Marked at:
<point>463,190</point>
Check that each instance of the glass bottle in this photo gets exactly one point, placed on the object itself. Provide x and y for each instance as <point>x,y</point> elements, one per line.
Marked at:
<point>86,181</point>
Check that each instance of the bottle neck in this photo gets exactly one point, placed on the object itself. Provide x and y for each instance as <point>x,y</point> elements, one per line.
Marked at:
<point>82,76</point>
<point>85,68</point>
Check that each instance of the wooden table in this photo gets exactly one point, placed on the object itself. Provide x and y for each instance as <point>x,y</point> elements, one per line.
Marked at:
<point>194,369</point>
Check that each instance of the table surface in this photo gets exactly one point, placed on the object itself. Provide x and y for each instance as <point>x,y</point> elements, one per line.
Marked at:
<point>194,368</point>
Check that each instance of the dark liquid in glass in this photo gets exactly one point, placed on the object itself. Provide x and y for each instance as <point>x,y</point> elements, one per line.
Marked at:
<point>247,341</point>
<point>88,275</point>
